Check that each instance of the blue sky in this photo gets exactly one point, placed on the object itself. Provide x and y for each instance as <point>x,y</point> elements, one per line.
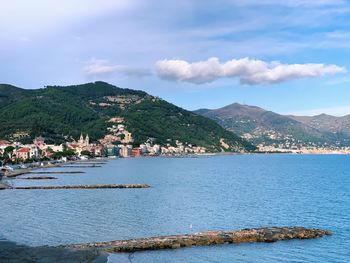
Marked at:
<point>286,56</point>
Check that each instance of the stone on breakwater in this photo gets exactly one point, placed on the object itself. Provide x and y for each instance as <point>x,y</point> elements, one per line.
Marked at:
<point>266,234</point>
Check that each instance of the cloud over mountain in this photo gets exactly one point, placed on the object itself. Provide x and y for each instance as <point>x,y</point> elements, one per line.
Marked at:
<point>248,71</point>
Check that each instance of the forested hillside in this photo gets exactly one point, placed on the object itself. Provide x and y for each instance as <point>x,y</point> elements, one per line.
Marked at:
<point>63,113</point>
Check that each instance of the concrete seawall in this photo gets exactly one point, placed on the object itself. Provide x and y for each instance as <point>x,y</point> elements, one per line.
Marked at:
<point>268,234</point>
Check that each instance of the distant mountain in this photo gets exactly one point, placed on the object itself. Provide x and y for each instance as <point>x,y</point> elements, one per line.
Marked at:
<point>327,123</point>
<point>61,113</point>
<point>268,128</point>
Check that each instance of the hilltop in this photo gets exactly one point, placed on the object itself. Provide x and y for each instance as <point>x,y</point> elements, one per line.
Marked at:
<point>61,113</point>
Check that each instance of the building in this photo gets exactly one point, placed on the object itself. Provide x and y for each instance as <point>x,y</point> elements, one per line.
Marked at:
<point>39,141</point>
<point>143,148</point>
<point>127,137</point>
<point>4,143</point>
<point>136,152</point>
<point>97,149</point>
<point>112,150</point>
<point>125,151</point>
<point>23,153</point>
<point>84,142</point>
<point>34,152</point>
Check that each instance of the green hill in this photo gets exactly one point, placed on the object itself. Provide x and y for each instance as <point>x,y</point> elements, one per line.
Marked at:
<point>60,113</point>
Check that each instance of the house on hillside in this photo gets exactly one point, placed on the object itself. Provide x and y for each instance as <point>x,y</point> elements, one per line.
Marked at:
<point>23,153</point>
<point>26,153</point>
<point>39,142</point>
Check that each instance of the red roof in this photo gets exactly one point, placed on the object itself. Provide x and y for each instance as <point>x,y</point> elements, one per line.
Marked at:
<point>4,142</point>
<point>23,150</point>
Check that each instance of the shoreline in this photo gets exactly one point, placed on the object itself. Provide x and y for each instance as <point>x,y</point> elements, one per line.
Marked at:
<point>51,164</point>
<point>31,170</point>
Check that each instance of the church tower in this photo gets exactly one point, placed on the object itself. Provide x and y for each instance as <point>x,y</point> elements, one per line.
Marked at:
<point>81,140</point>
<point>87,140</point>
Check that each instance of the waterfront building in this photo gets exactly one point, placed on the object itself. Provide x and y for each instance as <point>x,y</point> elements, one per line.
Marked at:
<point>143,148</point>
<point>112,150</point>
<point>136,152</point>
<point>125,150</point>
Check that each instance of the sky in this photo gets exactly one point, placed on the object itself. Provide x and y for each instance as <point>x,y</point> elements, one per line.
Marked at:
<point>290,56</point>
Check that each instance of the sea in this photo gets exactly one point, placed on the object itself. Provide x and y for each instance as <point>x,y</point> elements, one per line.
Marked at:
<point>187,195</point>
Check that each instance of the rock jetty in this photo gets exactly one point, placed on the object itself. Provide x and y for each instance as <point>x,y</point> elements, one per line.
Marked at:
<point>97,186</point>
<point>15,173</point>
<point>80,166</point>
<point>39,178</point>
<point>56,172</point>
<point>265,234</point>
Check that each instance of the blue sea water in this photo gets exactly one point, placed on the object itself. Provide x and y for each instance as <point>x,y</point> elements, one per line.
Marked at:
<point>213,193</point>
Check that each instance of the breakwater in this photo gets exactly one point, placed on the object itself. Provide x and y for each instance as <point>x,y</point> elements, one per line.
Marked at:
<point>97,186</point>
<point>80,166</point>
<point>39,178</point>
<point>265,234</point>
<point>17,173</point>
<point>56,172</point>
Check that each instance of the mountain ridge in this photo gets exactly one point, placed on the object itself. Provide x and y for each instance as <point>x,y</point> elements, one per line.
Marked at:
<point>268,128</point>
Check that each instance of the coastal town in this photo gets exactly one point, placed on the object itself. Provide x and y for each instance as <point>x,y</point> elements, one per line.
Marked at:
<point>303,149</point>
<point>117,143</point>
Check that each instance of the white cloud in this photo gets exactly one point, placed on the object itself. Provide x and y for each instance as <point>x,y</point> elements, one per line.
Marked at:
<point>249,71</point>
<point>102,68</point>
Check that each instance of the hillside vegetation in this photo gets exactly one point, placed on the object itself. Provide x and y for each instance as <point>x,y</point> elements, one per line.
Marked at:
<point>63,113</point>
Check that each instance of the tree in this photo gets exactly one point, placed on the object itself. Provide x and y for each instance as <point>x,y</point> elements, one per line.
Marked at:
<point>65,153</point>
<point>86,153</point>
<point>9,149</point>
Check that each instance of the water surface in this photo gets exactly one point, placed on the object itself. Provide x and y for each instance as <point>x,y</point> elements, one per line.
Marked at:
<point>213,193</point>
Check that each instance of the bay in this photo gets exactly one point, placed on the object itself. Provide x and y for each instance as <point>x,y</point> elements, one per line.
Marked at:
<point>207,193</point>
